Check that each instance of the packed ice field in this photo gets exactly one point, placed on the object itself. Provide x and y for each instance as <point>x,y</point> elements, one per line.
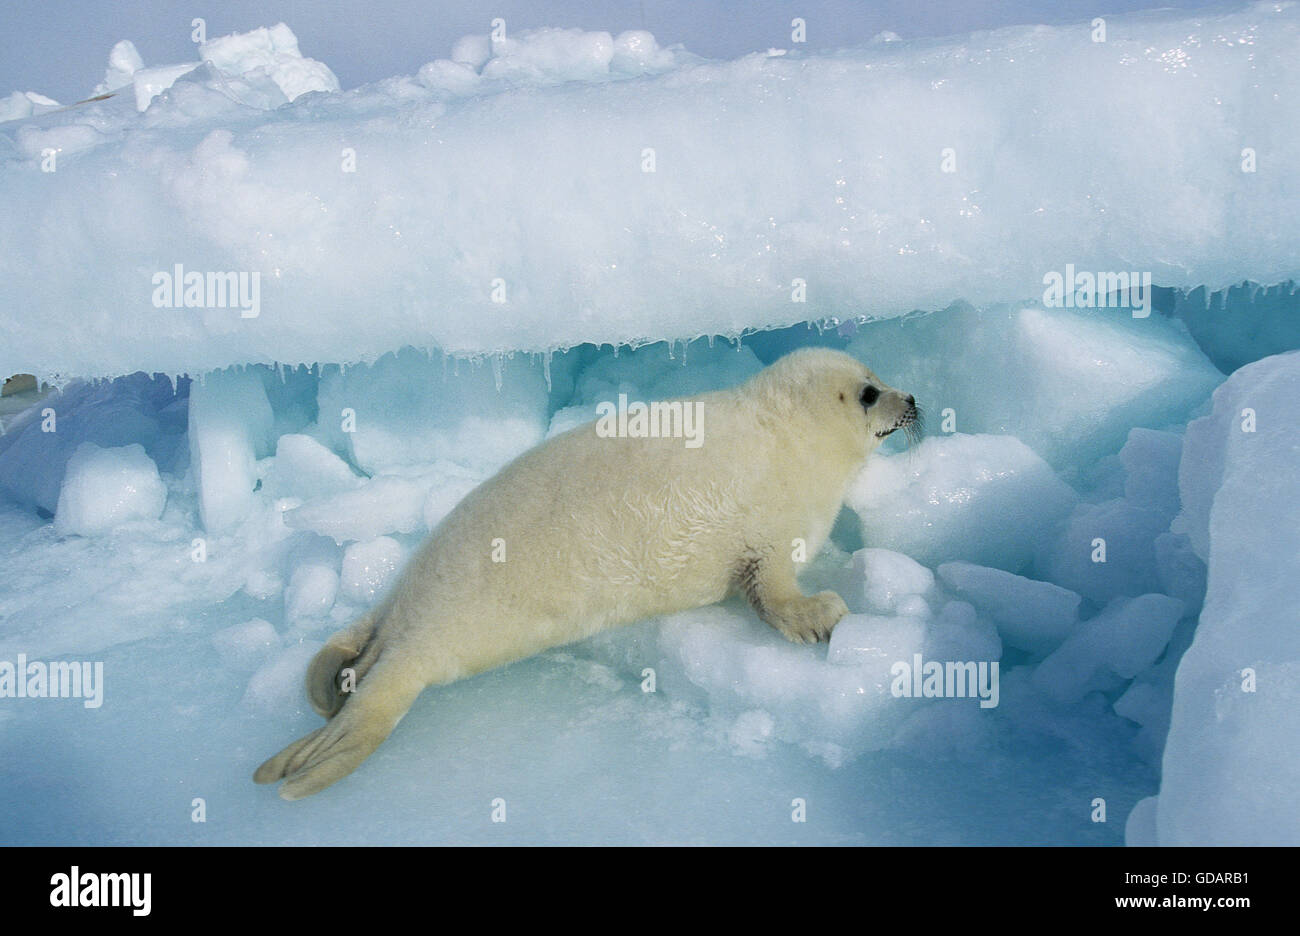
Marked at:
<point>1105,502</point>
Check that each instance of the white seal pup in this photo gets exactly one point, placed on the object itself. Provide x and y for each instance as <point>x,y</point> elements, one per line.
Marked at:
<point>588,531</point>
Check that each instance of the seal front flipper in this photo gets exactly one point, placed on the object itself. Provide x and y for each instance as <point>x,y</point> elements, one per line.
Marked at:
<point>334,750</point>
<point>769,584</point>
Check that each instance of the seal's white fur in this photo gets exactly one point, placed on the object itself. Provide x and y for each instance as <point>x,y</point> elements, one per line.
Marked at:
<point>604,531</point>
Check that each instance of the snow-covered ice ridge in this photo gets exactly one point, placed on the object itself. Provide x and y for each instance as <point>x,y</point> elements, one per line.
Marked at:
<point>518,170</point>
<point>1236,712</point>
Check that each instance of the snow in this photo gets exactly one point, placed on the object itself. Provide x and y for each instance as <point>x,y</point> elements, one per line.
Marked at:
<point>123,62</point>
<point>409,409</point>
<point>271,52</point>
<point>273,688</point>
<point>230,428</point>
<point>983,498</point>
<point>311,591</point>
<point>388,504</point>
<point>245,647</point>
<point>22,104</point>
<point>1140,827</point>
<point>37,444</point>
<point>242,66</point>
<point>1149,698</point>
<point>1121,546</point>
<point>825,168</point>
<point>1068,383</point>
<point>1180,571</point>
<point>1242,323</point>
<point>303,467</point>
<point>888,578</point>
<point>860,638</point>
<point>1150,459</point>
<point>1123,640</point>
<point>1036,617</point>
<point>655,372</point>
<point>106,487</point>
<point>1128,533</point>
<point>834,703</point>
<point>958,633</point>
<point>1232,734</point>
<point>369,567</point>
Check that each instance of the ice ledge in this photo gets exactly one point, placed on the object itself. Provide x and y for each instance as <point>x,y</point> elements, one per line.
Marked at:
<point>707,199</point>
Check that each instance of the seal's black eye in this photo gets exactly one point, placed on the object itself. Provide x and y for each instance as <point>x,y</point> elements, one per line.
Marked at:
<point>869,395</point>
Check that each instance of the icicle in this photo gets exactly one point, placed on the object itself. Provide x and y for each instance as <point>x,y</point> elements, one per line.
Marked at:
<point>496,370</point>
<point>710,340</point>
<point>546,369</point>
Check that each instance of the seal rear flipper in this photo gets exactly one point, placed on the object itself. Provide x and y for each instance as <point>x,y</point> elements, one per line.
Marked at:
<point>326,760</point>
<point>323,674</point>
<point>323,679</point>
<point>334,750</point>
<point>329,753</point>
<point>274,768</point>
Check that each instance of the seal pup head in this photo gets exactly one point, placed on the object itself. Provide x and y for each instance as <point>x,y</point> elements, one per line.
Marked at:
<point>843,395</point>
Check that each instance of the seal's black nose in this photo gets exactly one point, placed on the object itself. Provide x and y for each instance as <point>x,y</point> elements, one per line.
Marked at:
<point>911,400</point>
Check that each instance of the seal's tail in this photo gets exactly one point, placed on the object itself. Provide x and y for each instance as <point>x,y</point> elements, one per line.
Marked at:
<point>361,724</point>
<point>325,688</point>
